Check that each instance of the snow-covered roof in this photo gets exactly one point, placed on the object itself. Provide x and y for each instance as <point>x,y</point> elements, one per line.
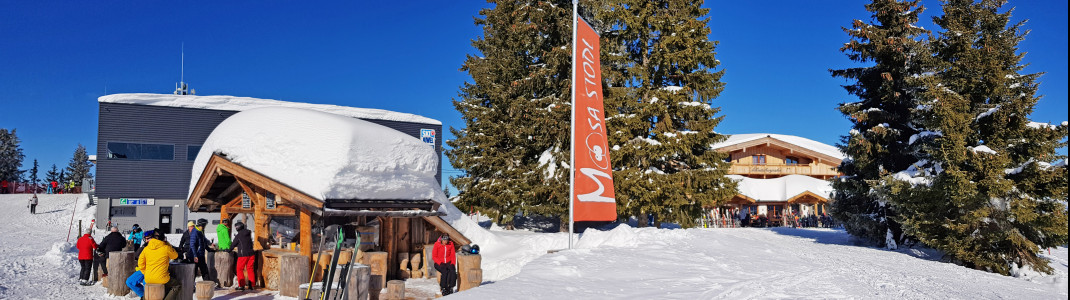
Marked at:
<point>781,188</point>
<point>232,103</point>
<point>812,145</point>
<point>325,155</point>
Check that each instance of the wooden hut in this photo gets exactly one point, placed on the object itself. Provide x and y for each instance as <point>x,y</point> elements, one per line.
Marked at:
<point>288,173</point>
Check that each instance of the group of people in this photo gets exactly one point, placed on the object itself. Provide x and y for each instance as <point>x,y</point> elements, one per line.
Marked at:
<point>154,255</point>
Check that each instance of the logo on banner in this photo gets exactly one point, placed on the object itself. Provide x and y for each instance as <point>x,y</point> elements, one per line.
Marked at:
<point>428,136</point>
<point>593,179</point>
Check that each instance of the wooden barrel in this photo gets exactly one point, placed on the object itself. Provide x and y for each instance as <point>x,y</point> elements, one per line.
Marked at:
<point>293,271</point>
<point>395,289</point>
<point>154,291</point>
<point>184,274</point>
<point>205,289</point>
<point>120,265</point>
<point>357,284</point>
<point>224,267</point>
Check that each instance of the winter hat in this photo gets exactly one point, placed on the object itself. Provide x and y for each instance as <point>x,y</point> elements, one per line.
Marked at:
<point>190,223</point>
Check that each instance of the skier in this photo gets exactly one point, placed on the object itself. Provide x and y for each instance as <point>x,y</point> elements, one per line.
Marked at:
<point>154,262</point>
<point>114,241</point>
<point>198,244</point>
<point>223,234</point>
<point>445,260</point>
<point>52,188</point>
<point>243,245</point>
<point>183,243</point>
<point>86,245</point>
<point>136,281</point>
<point>33,204</point>
<point>136,237</point>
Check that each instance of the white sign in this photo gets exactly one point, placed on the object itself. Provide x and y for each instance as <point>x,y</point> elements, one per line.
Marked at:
<point>428,136</point>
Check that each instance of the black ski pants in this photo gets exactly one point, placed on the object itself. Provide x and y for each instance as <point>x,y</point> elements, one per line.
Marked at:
<point>202,267</point>
<point>448,279</point>
<point>87,267</point>
<point>33,208</point>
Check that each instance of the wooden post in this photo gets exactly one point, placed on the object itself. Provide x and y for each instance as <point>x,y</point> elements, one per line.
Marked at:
<point>293,271</point>
<point>154,291</point>
<point>469,272</point>
<point>395,289</point>
<point>205,289</point>
<point>403,269</point>
<point>388,238</point>
<point>377,262</point>
<point>429,262</point>
<point>306,232</point>
<point>358,282</point>
<point>184,274</point>
<point>120,265</point>
<point>224,267</point>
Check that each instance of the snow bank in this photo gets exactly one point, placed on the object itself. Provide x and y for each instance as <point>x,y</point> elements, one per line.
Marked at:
<point>781,188</point>
<point>790,139</point>
<point>233,103</point>
<point>325,155</point>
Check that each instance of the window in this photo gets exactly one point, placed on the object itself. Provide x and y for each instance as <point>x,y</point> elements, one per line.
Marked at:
<point>191,152</point>
<point>758,159</point>
<point>775,211</point>
<point>134,151</point>
<point>124,211</point>
<point>791,160</point>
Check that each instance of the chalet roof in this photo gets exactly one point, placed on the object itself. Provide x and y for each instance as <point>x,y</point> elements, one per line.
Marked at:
<point>324,155</point>
<point>232,103</point>
<point>781,188</point>
<point>805,143</point>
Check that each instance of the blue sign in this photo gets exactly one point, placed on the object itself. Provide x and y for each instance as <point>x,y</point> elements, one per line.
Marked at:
<point>137,201</point>
<point>428,136</point>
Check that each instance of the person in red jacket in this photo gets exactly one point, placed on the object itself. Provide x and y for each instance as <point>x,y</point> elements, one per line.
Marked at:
<point>445,258</point>
<point>86,245</point>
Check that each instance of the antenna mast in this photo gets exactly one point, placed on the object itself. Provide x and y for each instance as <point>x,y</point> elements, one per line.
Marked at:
<point>182,88</point>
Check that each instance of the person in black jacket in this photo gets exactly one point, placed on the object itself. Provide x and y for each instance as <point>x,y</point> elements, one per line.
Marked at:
<point>243,246</point>
<point>114,241</point>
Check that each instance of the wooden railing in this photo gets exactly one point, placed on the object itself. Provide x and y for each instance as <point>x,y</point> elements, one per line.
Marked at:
<point>782,169</point>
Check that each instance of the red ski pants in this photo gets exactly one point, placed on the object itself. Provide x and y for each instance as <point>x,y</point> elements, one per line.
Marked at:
<point>246,264</point>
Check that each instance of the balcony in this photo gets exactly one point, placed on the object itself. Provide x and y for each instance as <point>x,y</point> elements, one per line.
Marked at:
<point>817,170</point>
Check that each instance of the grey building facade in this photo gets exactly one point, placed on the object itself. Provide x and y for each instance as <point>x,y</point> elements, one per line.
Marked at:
<point>145,157</point>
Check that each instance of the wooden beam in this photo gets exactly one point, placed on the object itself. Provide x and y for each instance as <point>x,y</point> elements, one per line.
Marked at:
<point>257,179</point>
<point>442,226</point>
<point>306,233</point>
<point>280,211</point>
<point>204,183</point>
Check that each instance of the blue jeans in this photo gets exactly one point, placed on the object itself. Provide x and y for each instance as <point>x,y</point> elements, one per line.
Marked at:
<point>136,282</point>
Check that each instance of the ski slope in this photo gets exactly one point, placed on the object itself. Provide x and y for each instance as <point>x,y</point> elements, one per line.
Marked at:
<point>623,263</point>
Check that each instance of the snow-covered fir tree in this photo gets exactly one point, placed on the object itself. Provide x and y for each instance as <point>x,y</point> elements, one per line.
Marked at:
<point>514,148</point>
<point>882,127</point>
<point>660,67</point>
<point>984,190</point>
<point>11,155</point>
<point>78,168</point>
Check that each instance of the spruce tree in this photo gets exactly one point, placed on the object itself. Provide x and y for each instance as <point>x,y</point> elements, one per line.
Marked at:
<point>882,128</point>
<point>514,148</point>
<point>52,175</point>
<point>33,173</point>
<point>78,168</point>
<point>993,199</point>
<point>11,155</point>
<point>660,67</point>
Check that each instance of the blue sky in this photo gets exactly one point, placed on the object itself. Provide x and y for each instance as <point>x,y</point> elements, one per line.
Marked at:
<point>57,57</point>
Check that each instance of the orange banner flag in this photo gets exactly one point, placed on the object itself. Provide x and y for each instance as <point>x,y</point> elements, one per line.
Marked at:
<point>592,191</point>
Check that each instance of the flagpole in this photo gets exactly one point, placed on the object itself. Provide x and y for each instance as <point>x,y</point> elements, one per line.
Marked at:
<point>572,151</point>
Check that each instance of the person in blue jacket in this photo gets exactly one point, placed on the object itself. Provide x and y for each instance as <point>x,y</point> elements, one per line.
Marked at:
<point>198,244</point>
<point>136,237</point>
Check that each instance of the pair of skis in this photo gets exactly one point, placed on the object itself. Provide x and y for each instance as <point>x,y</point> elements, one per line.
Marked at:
<point>326,284</point>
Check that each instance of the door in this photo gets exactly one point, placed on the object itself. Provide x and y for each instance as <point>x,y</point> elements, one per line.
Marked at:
<point>165,219</point>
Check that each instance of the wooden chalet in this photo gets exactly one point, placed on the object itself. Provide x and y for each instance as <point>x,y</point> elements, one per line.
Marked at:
<point>780,174</point>
<point>270,207</point>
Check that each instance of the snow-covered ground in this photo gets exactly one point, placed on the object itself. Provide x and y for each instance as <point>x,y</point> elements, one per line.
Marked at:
<point>645,263</point>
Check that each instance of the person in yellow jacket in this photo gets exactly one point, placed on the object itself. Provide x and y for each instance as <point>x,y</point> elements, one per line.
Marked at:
<point>154,262</point>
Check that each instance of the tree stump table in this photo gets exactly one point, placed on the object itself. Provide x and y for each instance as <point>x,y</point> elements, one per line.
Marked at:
<point>120,265</point>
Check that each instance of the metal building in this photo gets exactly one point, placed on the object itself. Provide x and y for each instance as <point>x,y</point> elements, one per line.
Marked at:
<point>146,145</point>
